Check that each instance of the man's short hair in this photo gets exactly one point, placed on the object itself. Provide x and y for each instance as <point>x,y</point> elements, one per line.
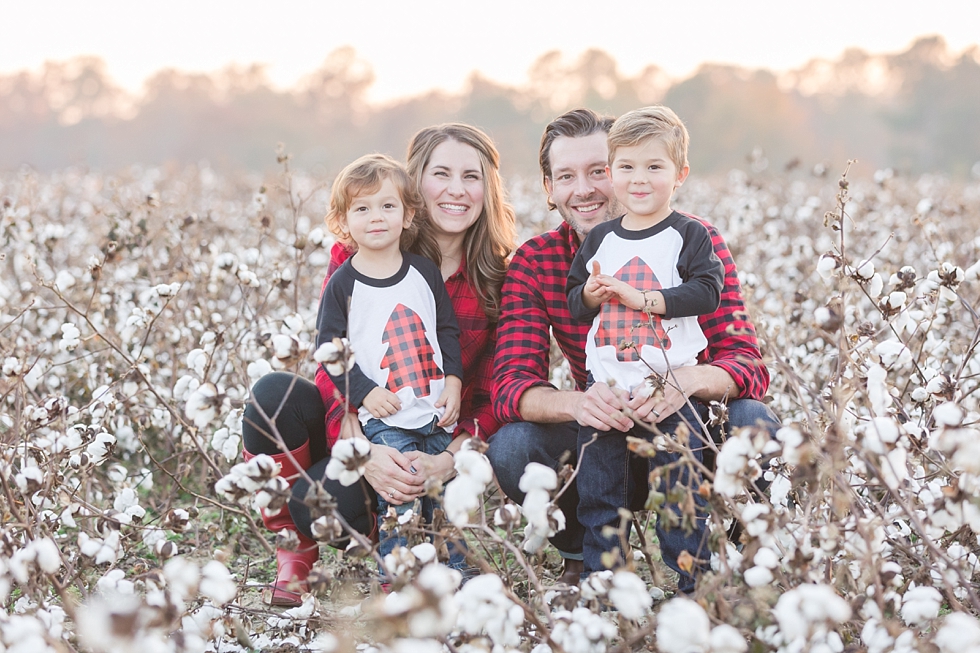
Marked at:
<point>574,124</point>
<point>658,122</point>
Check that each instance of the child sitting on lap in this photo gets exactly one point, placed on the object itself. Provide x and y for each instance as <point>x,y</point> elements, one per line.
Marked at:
<point>641,280</point>
<point>393,308</point>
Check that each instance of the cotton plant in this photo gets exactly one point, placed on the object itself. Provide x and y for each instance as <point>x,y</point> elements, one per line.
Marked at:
<point>865,318</point>
<point>348,459</point>
<point>544,518</point>
<point>464,494</point>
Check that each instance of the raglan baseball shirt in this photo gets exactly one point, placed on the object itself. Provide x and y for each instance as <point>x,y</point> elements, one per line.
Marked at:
<point>403,333</point>
<point>676,257</point>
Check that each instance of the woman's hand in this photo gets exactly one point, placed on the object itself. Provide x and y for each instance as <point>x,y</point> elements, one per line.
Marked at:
<point>440,466</point>
<point>450,399</point>
<point>381,402</point>
<point>393,475</point>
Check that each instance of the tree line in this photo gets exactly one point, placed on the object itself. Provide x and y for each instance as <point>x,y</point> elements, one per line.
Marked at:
<point>914,111</point>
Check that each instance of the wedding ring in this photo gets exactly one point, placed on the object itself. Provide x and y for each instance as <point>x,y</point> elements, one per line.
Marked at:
<point>656,413</point>
<point>391,495</point>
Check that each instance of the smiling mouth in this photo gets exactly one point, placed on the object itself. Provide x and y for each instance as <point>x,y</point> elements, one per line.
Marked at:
<point>589,208</point>
<point>454,208</point>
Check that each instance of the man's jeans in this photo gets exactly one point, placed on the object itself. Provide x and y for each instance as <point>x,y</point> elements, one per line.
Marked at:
<point>430,439</point>
<point>519,443</point>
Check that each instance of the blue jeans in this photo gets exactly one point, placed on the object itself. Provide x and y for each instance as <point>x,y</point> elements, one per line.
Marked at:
<point>430,439</point>
<point>516,444</point>
<point>608,479</point>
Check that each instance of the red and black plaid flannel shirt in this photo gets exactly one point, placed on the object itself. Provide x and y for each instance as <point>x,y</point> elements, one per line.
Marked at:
<point>534,300</point>
<point>477,341</point>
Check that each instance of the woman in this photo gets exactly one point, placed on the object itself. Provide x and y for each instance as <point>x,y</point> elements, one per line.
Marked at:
<point>469,233</point>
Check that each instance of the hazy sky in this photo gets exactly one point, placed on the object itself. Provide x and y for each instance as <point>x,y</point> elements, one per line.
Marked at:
<point>415,45</point>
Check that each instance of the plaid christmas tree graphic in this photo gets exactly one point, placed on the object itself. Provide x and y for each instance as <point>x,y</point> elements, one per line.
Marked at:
<point>619,323</point>
<point>410,359</point>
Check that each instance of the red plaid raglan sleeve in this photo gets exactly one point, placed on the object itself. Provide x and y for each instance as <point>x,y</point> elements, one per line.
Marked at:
<point>523,340</point>
<point>328,391</point>
<point>732,342</point>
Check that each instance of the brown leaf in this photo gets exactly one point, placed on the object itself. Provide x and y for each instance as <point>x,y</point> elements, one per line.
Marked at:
<point>685,561</point>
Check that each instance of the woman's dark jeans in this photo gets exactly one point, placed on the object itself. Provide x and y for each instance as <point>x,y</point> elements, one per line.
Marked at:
<point>291,406</point>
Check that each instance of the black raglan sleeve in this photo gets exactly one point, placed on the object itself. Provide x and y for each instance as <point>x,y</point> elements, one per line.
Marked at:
<point>331,322</point>
<point>579,273</point>
<point>700,270</point>
<point>447,329</point>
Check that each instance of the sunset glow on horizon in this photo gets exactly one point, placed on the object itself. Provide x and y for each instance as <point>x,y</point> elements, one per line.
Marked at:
<point>413,48</point>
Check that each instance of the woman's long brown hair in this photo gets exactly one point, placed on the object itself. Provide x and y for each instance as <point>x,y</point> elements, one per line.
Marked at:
<point>491,239</point>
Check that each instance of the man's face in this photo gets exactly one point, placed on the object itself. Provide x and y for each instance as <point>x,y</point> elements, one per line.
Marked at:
<point>579,185</point>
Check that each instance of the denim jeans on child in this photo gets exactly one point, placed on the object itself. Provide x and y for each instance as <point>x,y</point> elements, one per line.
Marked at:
<point>605,485</point>
<point>430,439</point>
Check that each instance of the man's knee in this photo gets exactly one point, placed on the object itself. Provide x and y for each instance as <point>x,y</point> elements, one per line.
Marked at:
<point>509,452</point>
<point>749,412</point>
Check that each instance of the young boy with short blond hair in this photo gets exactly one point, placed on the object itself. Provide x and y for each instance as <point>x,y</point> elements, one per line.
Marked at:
<point>642,280</point>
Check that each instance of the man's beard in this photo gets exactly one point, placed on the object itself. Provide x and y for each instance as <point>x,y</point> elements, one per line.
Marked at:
<point>613,210</point>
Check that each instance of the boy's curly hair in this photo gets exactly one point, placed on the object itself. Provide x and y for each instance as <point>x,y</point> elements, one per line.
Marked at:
<point>363,177</point>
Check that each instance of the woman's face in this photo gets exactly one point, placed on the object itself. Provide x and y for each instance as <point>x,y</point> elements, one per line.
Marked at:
<point>452,187</point>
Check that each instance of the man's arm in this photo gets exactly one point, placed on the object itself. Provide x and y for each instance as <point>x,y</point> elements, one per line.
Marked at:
<point>732,343</point>
<point>521,360</point>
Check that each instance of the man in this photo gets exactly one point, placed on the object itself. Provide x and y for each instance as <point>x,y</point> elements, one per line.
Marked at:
<point>541,422</point>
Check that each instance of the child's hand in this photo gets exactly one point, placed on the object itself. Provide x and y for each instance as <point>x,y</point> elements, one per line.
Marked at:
<point>450,399</point>
<point>594,292</point>
<point>381,402</point>
<point>630,296</point>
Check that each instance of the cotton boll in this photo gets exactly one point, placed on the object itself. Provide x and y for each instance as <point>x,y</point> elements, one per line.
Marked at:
<point>683,627</point>
<point>538,476</point>
<point>920,604</point>
<point>766,557</point>
<point>875,286</point>
<point>727,639</point>
<point>960,633</point>
<point>217,584</point>
<point>629,594</point>
<point>347,460</point>
<point>757,576</point>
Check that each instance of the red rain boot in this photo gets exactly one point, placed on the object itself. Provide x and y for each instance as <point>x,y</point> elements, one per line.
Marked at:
<point>292,567</point>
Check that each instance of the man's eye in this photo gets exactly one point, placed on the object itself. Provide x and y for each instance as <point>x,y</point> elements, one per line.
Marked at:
<point>599,172</point>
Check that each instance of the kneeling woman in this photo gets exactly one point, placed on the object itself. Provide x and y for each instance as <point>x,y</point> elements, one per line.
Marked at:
<point>455,168</point>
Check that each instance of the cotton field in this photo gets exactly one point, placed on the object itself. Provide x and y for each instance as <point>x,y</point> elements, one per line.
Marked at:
<point>137,309</point>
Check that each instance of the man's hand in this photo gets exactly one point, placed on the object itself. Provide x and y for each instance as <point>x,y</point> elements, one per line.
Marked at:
<point>450,399</point>
<point>602,409</point>
<point>706,382</point>
<point>381,402</point>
